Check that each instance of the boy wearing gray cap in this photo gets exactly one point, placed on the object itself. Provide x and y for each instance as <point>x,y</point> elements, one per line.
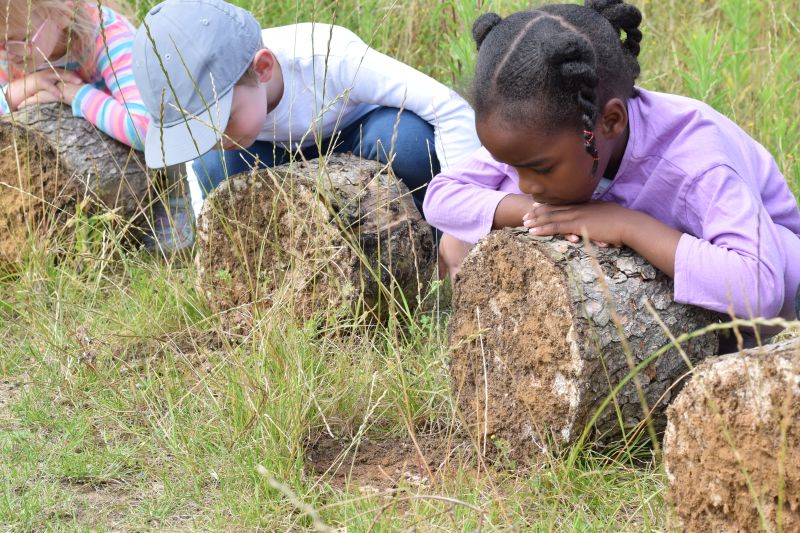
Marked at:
<point>211,79</point>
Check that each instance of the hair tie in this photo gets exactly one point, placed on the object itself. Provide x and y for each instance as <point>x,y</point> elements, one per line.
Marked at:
<point>588,137</point>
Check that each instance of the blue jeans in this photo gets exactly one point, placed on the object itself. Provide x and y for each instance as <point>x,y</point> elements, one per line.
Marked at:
<point>370,137</point>
<point>797,303</point>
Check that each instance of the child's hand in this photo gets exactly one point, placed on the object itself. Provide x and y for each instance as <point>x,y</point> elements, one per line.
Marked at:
<point>42,97</point>
<point>605,223</point>
<point>23,89</point>
<point>65,91</point>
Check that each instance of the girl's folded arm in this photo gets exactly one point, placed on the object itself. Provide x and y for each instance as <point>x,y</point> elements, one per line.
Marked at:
<point>4,107</point>
<point>122,115</point>
<point>462,200</point>
<point>5,79</point>
<point>736,261</point>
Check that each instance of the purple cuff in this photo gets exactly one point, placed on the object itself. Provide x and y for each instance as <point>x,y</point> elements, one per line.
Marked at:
<point>682,277</point>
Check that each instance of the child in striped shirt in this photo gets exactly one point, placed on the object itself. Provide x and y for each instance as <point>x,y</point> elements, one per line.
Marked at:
<point>75,53</point>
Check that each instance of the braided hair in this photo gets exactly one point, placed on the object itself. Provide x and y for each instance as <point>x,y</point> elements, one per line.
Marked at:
<point>557,65</point>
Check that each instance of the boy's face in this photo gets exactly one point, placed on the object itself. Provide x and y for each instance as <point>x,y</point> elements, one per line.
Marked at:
<point>248,114</point>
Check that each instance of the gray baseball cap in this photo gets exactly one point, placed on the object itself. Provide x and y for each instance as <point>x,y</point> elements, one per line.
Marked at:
<point>187,57</point>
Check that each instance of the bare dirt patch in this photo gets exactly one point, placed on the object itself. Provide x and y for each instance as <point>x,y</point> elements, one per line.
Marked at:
<point>104,505</point>
<point>381,466</point>
<point>9,392</point>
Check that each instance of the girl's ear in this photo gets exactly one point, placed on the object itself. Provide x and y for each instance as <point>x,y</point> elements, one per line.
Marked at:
<point>614,118</point>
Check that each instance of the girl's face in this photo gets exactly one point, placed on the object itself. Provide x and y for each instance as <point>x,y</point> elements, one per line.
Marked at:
<point>33,45</point>
<point>554,168</point>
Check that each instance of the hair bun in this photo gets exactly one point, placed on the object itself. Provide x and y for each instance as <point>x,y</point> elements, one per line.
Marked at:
<point>573,57</point>
<point>623,17</point>
<point>483,25</point>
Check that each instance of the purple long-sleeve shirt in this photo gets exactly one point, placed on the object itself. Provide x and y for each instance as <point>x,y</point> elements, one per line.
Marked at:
<point>694,170</point>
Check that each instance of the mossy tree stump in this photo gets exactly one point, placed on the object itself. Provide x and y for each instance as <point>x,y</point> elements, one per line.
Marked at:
<point>535,349</point>
<point>311,237</point>
<point>732,445</point>
<point>49,163</point>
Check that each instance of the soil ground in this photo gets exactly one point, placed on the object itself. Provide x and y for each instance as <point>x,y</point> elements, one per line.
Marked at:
<point>383,466</point>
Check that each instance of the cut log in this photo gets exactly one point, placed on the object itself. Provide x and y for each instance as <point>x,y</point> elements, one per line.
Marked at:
<point>311,237</point>
<point>535,349</point>
<point>50,161</point>
<point>732,445</point>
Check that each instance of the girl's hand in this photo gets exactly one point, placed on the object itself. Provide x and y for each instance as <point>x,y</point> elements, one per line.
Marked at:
<point>613,224</point>
<point>65,91</point>
<point>22,89</point>
<point>42,97</point>
<point>575,239</point>
<point>604,222</point>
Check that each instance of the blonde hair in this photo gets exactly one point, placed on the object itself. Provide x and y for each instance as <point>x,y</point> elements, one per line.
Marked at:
<point>249,78</point>
<point>82,28</point>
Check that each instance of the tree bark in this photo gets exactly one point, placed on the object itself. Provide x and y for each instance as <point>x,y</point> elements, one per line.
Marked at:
<point>49,162</point>
<point>738,416</point>
<point>536,348</point>
<point>309,237</point>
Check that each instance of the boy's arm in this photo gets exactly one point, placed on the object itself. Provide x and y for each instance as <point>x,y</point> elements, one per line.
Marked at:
<point>378,79</point>
<point>466,201</point>
<point>122,115</point>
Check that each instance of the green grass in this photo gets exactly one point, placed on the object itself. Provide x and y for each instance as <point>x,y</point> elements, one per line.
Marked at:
<point>132,409</point>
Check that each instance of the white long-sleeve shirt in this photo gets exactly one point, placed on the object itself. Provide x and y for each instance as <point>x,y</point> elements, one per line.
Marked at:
<point>332,78</point>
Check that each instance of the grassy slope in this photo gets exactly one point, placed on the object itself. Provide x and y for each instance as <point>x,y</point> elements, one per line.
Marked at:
<point>122,405</point>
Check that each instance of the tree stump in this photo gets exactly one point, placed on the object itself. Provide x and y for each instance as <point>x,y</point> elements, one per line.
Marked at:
<point>309,237</point>
<point>535,350</point>
<point>49,162</point>
<point>732,445</point>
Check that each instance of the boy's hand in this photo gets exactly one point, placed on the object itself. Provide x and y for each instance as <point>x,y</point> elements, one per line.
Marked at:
<point>22,89</point>
<point>605,223</point>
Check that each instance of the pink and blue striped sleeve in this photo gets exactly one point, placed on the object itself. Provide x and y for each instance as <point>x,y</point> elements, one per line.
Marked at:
<point>119,112</point>
<point>5,79</point>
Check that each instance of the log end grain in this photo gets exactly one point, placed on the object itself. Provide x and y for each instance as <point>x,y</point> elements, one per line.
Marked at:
<point>311,237</point>
<point>49,162</point>
<point>535,349</point>
<point>732,445</point>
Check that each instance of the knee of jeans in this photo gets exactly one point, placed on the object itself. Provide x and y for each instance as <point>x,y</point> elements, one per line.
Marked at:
<point>416,166</point>
<point>209,170</point>
<point>384,132</point>
<point>415,145</point>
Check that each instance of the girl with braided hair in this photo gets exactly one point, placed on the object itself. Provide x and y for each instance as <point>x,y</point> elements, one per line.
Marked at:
<point>571,145</point>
